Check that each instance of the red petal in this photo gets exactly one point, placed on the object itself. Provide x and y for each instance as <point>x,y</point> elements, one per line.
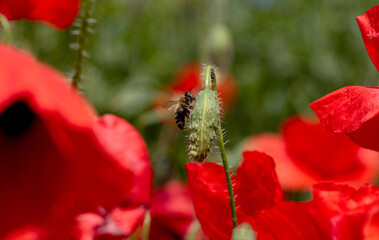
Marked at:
<point>59,13</point>
<point>171,212</point>
<point>348,226</point>
<point>125,144</point>
<point>258,186</point>
<point>290,176</point>
<point>338,198</point>
<point>290,220</point>
<point>371,228</point>
<point>369,25</point>
<point>187,78</point>
<point>120,223</point>
<point>324,155</point>
<point>352,110</point>
<point>211,199</point>
<point>62,160</point>
<point>85,226</point>
<point>255,185</point>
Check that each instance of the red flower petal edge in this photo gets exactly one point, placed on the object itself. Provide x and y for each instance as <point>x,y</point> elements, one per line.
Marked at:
<point>256,188</point>
<point>125,144</point>
<point>257,185</point>
<point>59,13</point>
<point>369,25</point>
<point>352,110</point>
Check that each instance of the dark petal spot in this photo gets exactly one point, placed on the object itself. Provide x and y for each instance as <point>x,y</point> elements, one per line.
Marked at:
<point>16,120</point>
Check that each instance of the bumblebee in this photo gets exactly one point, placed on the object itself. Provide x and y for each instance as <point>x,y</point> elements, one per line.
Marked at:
<point>183,107</point>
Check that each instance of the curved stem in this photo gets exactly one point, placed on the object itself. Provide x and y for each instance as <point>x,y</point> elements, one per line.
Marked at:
<point>6,28</point>
<point>212,76</point>
<point>81,43</point>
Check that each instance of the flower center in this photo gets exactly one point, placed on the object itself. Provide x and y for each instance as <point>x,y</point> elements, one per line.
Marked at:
<point>16,120</point>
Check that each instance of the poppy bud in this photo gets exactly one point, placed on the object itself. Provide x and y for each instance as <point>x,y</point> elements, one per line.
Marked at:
<point>203,124</point>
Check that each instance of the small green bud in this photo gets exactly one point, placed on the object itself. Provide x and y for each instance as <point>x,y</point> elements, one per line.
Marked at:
<point>203,124</point>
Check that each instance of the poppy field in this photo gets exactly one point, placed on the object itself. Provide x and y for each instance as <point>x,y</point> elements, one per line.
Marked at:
<point>189,119</point>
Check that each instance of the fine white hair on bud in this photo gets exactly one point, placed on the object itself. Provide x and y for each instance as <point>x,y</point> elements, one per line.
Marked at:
<point>203,125</point>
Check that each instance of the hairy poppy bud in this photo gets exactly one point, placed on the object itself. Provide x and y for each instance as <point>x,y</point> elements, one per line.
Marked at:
<point>203,124</point>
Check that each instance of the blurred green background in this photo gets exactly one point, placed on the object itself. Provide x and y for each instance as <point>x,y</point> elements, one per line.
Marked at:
<point>283,54</point>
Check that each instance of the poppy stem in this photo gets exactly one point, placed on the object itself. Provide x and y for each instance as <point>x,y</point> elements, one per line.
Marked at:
<point>207,77</point>
<point>81,43</point>
<point>210,74</point>
<point>6,28</point>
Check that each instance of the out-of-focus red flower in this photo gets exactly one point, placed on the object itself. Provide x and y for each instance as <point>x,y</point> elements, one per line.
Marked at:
<point>352,110</point>
<point>189,77</point>
<point>59,13</point>
<point>56,154</point>
<point>171,213</point>
<point>306,153</point>
<point>369,25</point>
<point>255,185</point>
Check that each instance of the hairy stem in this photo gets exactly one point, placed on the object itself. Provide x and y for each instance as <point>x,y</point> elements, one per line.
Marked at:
<point>212,76</point>
<point>81,43</point>
<point>6,28</point>
<point>207,77</point>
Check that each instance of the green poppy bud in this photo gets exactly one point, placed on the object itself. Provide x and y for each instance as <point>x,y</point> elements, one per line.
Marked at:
<point>203,125</point>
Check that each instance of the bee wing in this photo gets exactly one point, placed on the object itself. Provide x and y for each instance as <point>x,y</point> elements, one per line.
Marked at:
<point>170,104</point>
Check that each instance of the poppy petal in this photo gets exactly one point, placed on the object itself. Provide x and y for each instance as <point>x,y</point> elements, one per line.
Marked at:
<point>369,25</point>
<point>125,144</point>
<point>255,185</point>
<point>258,186</point>
<point>290,176</point>
<point>371,228</point>
<point>64,159</point>
<point>292,220</point>
<point>210,197</point>
<point>352,110</point>
<point>61,14</point>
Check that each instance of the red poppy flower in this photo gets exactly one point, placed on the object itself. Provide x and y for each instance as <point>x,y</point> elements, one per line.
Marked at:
<point>255,186</point>
<point>369,25</point>
<point>171,214</point>
<point>56,154</point>
<point>352,110</point>
<point>336,212</point>
<point>59,13</point>
<point>306,153</point>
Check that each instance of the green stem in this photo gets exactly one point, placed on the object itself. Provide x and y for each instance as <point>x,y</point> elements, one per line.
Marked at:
<point>212,76</point>
<point>207,77</point>
<point>81,43</point>
<point>6,28</point>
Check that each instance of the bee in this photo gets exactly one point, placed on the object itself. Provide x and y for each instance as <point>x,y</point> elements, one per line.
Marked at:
<point>183,107</point>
